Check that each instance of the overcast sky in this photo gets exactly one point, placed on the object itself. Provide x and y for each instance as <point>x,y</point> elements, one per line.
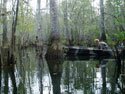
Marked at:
<point>33,3</point>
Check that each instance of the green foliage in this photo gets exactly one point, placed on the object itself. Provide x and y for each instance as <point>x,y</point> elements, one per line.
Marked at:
<point>116,38</point>
<point>26,25</point>
<point>115,21</point>
<point>119,37</point>
<point>82,20</point>
<point>25,19</point>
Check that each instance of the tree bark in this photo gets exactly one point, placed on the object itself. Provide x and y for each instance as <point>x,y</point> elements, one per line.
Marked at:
<point>102,25</point>
<point>14,24</point>
<point>66,24</point>
<point>38,15</point>
<point>54,21</point>
<point>4,17</point>
<point>55,48</point>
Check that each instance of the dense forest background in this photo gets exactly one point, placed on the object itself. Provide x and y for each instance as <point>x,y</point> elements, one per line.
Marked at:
<point>34,38</point>
<point>70,22</point>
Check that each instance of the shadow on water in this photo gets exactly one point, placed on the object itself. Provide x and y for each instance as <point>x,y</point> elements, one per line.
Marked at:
<point>55,69</point>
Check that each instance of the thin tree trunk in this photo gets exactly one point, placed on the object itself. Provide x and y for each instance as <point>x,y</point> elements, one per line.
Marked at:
<point>14,24</point>
<point>123,15</point>
<point>66,23</point>
<point>38,15</point>
<point>102,26</point>
<point>4,17</point>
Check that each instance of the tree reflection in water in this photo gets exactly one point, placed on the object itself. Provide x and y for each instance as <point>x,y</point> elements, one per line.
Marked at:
<point>34,76</point>
<point>55,69</point>
<point>40,74</point>
<point>0,75</point>
<point>103,73</point>
<point>115,85</point>
<point>9,72</point>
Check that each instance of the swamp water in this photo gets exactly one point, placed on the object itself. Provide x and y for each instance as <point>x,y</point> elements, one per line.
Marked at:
<point>34,75</point>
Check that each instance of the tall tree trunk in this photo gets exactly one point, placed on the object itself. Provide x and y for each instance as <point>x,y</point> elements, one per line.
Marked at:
<point>4,17</point>
<point>14,24</point>
<point>55,48</point>
<point>102,25</point>
<point>38,15</point>
<point>66,23</point>
<point>54,21</point>
<point>4,50</point>
<point>123,15</point>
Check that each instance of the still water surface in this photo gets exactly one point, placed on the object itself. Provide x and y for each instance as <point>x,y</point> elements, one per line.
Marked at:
<point>34,75</point>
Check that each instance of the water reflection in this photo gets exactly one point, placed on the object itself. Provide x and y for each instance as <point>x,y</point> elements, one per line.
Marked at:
<point>78,77</point>
<point>103,74</point>
<point>55,69</point>
<point>95,77</point>
<point>8,72</point>
<point>40,74</point>
<point>22,71</point>
<point>0,75</point>
<point>35,75</point>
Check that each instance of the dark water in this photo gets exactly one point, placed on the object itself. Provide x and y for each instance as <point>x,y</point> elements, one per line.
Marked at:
<point>34,75</point>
